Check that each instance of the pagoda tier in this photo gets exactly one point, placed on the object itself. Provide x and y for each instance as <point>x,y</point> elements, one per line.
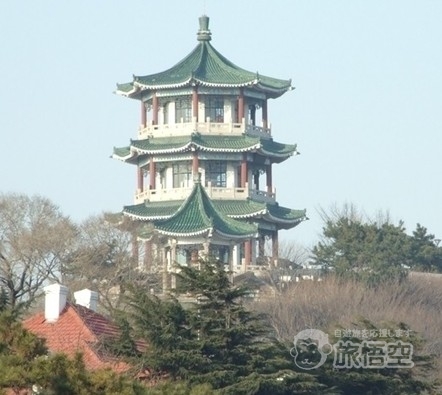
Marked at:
<point>205,67</point>
<point>197,216</point>
<point>232,165</point>
<point>266,215</point>
<point>265,147</point>
<point>204,150</point>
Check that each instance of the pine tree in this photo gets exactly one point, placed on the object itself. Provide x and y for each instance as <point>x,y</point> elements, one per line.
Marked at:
<point>214,339</point>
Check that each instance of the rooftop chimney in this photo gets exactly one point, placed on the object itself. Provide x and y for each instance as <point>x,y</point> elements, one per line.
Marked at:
<point>87,298</point>
<point>55,301</point>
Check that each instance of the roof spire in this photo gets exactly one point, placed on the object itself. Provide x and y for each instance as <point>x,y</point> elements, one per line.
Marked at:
<point>204,32</point>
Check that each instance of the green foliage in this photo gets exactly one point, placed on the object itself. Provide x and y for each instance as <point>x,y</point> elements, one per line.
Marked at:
<point>375,252</point>
<point>122,347</point>
<point>214,340</point>
<point>382,381</point>
<point>68,376</point>
<point>19,351</point>
<point>427,255</point>
<point>165,326</point>
<point>24,363</point>
<point>180,388</point>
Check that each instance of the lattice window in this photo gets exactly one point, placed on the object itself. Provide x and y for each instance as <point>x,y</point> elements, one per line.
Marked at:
<point>182,175</point>
<point>183,110</point>
<point>216,173</point>
<point>215,108</point>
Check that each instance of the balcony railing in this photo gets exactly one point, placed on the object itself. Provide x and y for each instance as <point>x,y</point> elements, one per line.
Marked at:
<point>186,128</point>
<point>158,195</point>
<point>263,196</point>
<point>167,194</point>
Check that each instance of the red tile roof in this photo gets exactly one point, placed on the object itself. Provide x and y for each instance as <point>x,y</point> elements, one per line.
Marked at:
<point>78,329</point>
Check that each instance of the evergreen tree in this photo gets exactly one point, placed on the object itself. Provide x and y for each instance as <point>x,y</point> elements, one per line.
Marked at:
<point>24,364</point>
<point>427,255</point>
<point>385,380</point>
<point>370,252</point>
<point>214,339</point>
<point>19,352</point>
<point>374,251</point>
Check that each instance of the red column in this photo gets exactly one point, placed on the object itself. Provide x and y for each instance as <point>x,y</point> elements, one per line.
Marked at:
<point>140,176</point>
<point>240,105</point>
<point>247,252</point>
<point>264,115</point>
<point>195,165</point>
<point>269,179</point>
<point>147,255</point>
<point>275,253</point>
<point>261,245</point>
<point>143,115</point>
<point>195,103</point>
<point>155,109</point>
<point>244,171</point>
<point>151,174</point>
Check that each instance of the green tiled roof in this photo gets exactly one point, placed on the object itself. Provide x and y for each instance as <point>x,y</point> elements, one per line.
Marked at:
<point>240,208</point>
<point>153,210</point>
<point>242,143</point>
<point>236,209</point>
<point>207,67</point>
<point>198,216</point>
<point>250,208</point>
<point>122,152</point>
<point>204,143</point>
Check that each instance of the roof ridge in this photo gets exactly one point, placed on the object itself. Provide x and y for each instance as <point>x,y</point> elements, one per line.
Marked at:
<point>199,208</point>
<point>79,309</point>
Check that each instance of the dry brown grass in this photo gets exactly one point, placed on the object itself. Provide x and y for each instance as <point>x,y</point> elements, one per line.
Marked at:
<point>324,305</point>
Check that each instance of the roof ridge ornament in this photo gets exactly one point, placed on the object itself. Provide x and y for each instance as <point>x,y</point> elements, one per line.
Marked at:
<point>204,33</point>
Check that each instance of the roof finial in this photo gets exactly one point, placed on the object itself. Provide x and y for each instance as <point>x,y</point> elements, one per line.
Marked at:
<point>204,32</point>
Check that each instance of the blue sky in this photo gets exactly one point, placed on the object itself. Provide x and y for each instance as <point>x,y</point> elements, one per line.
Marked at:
<point>366,111</point>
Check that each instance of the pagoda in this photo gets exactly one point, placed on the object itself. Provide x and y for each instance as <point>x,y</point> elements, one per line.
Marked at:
<point>203,154</point>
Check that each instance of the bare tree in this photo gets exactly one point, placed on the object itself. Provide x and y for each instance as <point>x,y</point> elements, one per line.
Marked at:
<point>35,238</point>
<point>103,258</point>
<point>352,213</point>
<point>293,252</point>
